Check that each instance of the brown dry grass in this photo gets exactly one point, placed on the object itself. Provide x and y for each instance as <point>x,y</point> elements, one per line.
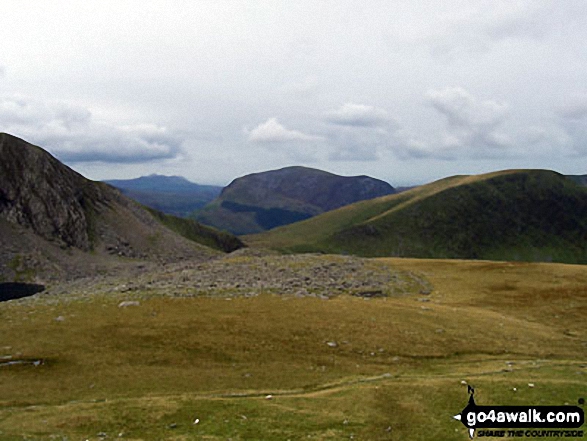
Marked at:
<point>395,372</point>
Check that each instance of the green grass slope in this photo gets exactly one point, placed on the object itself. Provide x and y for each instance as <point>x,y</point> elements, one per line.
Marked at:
<point>199,233</point>
<point>533,215</point>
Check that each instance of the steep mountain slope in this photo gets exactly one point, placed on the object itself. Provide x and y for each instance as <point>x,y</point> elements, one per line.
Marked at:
<point>511,215</point>
<point>54,222</point>
<point>262,201</point>
<point>170,194</point>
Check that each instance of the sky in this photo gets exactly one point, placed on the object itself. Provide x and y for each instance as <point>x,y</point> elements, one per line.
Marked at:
<point>407,91</point>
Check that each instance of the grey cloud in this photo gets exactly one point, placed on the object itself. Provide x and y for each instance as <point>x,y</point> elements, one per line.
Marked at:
<point>354,152</point>
<point>19,110</point>
<point>473,124</point>
<point>488,24</point>
<point>574,111</point>
<point>573,122</point>
<point>473,129</point>
<point>538,19</point>
<point>406,146</point>
<point>302,154</point>
<point>547,139</point>
<point>71,133</point>
<point>358,132</point>
<point>464,110</point>
<point>118,147</point>
<point>306,87</point>
<point>350,143</point>
<point>358,115</point>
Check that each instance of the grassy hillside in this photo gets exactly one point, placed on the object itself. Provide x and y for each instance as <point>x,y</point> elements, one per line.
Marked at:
<point>392,368</point>
<point>199,233</point>
<point>533,215</point>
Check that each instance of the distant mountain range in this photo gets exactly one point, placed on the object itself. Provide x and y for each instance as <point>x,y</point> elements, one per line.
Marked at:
<point>533,215</point>
<point>54,223</point>
<point>171,194</point>
<point>262,201</point>
<point>579,179</point>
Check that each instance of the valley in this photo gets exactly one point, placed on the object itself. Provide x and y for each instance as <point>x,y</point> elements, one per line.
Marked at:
<point>127,361</point>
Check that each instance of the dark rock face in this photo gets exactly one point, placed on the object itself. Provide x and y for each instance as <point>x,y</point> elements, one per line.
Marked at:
<point>38,192</point>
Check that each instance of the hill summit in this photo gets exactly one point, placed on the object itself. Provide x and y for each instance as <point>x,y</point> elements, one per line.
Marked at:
<point>262,201</point>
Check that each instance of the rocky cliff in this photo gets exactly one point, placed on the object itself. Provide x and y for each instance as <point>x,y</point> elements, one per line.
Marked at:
<point>55,223</point>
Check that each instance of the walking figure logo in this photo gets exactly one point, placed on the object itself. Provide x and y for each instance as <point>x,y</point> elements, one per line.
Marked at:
<point>522,417</point>
<point>470,406</point>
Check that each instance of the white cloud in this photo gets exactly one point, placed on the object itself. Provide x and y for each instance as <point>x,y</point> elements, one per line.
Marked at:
<point>73,135</point>
<point>358,115</point>
<point>271,131</point>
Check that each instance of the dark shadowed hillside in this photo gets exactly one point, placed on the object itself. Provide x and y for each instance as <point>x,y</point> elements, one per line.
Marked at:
<point>263,201</point>
<point>513,215</point>
<point>170,194</point>
<point>56,223</point>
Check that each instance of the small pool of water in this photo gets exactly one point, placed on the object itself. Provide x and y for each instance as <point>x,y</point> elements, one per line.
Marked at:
<point>15,290</point>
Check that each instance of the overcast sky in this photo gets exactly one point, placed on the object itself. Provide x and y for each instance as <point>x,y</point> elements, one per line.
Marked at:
<point>407,91</point>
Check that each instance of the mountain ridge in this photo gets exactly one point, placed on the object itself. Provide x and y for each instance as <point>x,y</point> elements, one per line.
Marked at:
<point>507,215</point>
<point>170,194</point>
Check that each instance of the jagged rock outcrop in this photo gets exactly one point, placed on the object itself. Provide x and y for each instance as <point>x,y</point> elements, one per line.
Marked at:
<point>39,192</point>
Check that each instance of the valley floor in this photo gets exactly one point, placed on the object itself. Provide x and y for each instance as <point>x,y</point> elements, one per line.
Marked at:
<point>291,347</point>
